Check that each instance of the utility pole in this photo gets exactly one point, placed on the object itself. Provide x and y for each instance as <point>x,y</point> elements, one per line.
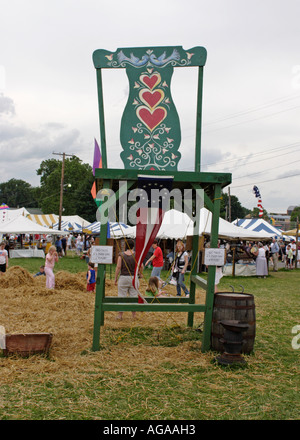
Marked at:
<point>62,185</point>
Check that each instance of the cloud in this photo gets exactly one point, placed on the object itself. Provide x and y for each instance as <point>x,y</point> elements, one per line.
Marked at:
<point>7,105</point>
<point>23,148</point>
<point>253,60</point>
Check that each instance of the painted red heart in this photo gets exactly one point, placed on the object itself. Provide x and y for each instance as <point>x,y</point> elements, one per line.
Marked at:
<point>151,99</point>
<point>151,118</point>
<point>151,81</point>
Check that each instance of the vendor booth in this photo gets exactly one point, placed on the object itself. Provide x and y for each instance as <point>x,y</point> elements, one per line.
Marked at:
<point>26,253</point>
<point>21,226</point>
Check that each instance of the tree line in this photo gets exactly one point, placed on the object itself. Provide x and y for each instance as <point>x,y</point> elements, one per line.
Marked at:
<point>77,198</point>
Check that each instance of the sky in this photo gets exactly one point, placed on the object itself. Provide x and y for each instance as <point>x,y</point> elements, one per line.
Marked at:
<point>251,89</point>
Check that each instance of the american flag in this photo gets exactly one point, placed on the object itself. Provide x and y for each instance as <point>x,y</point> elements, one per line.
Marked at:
<point>259,203</point>
<point>154,200</point>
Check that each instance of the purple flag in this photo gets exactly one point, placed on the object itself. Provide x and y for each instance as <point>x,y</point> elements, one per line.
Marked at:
<point>97,158</point>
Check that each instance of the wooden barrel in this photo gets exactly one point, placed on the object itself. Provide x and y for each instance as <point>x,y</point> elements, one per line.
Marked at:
<point>233,306</point>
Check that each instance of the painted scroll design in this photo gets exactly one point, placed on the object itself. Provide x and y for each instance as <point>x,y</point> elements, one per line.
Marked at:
<point>151,146</point>
<point>150,128</point>
<point>149,59</point>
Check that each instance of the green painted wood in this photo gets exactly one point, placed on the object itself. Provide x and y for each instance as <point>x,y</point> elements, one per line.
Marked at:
<point>100,290</point>
<point>199,120</point>
<point>132,307</point>
<point>142,56</point>
<point>150,137</point>
<point>179,176</point>
<point>150,128</point>
<point>195,244</point>
<point>101,119</point>
<point>206,343</point>
<point>160,300</point>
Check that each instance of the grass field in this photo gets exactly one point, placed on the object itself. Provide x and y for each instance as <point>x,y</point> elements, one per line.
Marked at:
<point>148,369</point>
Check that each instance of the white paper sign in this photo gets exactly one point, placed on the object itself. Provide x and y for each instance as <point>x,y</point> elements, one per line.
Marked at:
<point>214,257</point>
<point>101,254</point>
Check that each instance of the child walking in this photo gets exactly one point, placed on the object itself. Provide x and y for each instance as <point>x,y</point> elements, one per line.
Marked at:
<point>289,257</point>
<point>51,259</point>
<point>91,278</point>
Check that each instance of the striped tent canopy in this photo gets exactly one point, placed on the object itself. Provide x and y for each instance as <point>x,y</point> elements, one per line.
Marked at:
<point>68,226</point>
<point>51,221</point>
<point>258,225</point>
<point>75,219</point>
<point>116,230</point>
<point>292,232</point>
<point>47,220</point>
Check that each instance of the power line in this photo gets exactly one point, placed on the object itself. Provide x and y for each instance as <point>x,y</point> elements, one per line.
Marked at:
<point>251,120</point>
<point>270,180</point>
<point>283,147</point>
<point>267,170</point>
<point>252,109</point>
<point>267,158</point>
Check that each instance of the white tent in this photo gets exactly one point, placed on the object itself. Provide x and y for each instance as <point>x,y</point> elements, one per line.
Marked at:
<point>177,225</point>
<point>6,215</point>
<point>22,225</point>
<point>229,230</point>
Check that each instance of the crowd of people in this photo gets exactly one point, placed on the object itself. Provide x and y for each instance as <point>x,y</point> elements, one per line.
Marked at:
<point>79,243</point>
<point>126,264</point>
<point>265,255</point>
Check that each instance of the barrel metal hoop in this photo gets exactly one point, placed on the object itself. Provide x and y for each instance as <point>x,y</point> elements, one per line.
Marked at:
<point>223,306</point>
<point>218,335</point>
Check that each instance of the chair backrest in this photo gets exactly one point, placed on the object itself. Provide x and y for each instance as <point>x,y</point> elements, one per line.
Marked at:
<point>150,132</point>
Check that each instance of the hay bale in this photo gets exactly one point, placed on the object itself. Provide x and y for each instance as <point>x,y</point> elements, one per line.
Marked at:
<point>70,281</point>
<point>67,312</point>
<point>16,276</point>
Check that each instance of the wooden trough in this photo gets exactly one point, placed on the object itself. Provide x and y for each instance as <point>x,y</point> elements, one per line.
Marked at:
<point>26,344</point>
